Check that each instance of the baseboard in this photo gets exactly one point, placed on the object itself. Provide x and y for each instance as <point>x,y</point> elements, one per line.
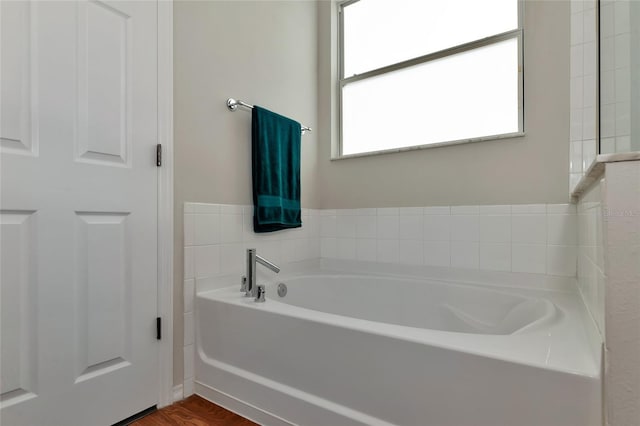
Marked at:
<point>241,408</point>
<point>178,393</point>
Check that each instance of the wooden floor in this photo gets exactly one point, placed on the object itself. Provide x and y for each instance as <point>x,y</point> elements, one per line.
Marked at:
<point>193,411</point>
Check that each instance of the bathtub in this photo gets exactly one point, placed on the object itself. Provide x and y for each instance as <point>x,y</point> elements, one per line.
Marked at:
<point>346,346</point>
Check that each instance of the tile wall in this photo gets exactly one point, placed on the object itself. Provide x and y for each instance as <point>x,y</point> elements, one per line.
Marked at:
<point>535,238</point>
<point>583,87</point>
<point>591,276</point>
<point>616,76</point>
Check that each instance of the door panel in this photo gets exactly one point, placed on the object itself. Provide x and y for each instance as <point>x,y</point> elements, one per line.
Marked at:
<point>78,209</point>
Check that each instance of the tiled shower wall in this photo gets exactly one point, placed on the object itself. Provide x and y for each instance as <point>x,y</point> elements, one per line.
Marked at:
<point>583,112</point>
<point>617,79</point>
<point>591,276</point>
<point>535,238</point>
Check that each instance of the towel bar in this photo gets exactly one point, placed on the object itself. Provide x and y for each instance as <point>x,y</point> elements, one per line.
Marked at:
<point>233,104</point>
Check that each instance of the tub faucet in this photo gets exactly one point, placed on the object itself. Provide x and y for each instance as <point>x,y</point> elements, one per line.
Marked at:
<point>249,280</point>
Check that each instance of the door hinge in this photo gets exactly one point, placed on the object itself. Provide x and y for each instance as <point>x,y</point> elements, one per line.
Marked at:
<point>159,328</point>
<point>159,155</point>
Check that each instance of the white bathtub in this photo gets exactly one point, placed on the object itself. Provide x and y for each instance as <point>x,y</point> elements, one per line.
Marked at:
<point>354,348</point>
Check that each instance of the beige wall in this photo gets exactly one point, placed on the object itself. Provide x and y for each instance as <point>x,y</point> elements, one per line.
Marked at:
<point>529,169</point>
<point>263,52</point>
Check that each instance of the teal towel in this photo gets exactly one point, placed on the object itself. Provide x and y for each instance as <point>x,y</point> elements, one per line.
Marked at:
<point>275,143</point>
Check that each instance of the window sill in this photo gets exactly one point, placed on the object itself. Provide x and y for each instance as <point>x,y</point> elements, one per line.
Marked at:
<point>433,145</point>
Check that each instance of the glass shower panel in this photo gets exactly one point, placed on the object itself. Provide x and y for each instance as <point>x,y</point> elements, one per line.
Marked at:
<point>583,88</point>
<point>619,76</point>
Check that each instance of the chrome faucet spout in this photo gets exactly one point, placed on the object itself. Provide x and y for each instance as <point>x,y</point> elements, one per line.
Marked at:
<point>264,262</point>
<point>249,281</point>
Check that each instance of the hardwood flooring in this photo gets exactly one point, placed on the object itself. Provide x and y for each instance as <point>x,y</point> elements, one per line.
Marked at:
<point>193,411</point>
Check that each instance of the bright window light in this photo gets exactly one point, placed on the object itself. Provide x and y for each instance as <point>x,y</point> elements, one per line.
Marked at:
<point>463,81</point>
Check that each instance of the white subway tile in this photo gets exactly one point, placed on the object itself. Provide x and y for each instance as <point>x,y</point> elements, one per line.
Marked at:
<point>388,227</point>
<point>231,228</point>
<point>388,251</point>
<point>346,212</point>
<point>189,263</point>
<point>589,25</point>
<point>288,250</point>
<point>621,18</point>
<point>346,248</point>
<point>495,210</point>
<point>328,226</point>
<point>189,208</point>
<point>495,256</point>
<point>247,227</point>
<point>366,227</point>
<point>367,250</point>
<point>411,227</point>
<point>588,124</point>
<point>576,94</point>
<point>437,210</point>
<point>437,253</point>
<point>575,125</point>
<point>411,252</point>
<point>313,248</point>
<point>409,211</point>
<point>529,229</point>
<point>495,229</point>
<point>207,261</point>
<point>562,229</point>
<point>529,258</point>
<point>470,210</point>
<point>367,212</point>
<point>465,228</point>
<point>608,121</point>
<point>528,209</point>
<point>388,211</point>
<point>588,153</point>
<point>205,208</point>
<point>576,61</point>
<point>577,6</point>
<point>207,229</point>
<point>346,226</point>
<point>577,25</point>
<point>232,258</point>
<point>562,260</point>
<point>328,247</point>
<point>623,143</point>
<point>465,255</point>
<point>436,228</point>
<point>561,209</point>
<point>231,209</point>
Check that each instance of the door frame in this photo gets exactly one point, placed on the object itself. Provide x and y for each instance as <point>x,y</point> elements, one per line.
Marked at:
<point>165,201</point>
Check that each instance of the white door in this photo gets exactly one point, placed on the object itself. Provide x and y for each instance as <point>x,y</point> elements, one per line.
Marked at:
<point>78,204</point>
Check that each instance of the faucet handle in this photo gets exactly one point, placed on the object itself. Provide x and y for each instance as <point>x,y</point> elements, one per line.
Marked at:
<point>260,294</point>
<point>243,283</point>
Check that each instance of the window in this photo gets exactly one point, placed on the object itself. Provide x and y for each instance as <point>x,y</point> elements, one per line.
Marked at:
<point>415,73</point>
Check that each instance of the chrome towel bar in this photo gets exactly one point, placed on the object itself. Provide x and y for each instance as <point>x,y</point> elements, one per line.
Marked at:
<point>233,104</point>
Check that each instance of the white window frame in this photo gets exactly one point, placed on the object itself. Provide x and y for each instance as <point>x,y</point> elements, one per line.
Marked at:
<point>517,33</point>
